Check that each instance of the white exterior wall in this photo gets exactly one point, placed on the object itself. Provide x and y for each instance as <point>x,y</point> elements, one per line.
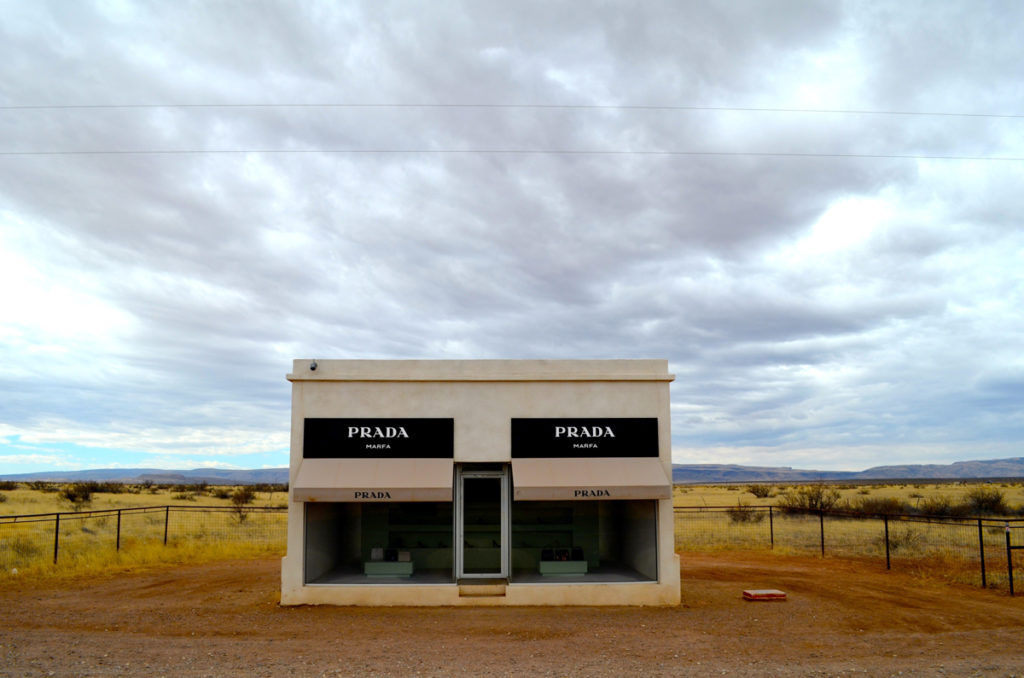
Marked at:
<point>482,397</point>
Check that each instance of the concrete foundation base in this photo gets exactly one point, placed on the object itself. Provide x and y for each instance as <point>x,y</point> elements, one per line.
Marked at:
<point>557,592</point>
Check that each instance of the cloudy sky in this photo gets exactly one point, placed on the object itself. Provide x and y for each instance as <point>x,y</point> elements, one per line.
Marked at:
<point>812,210</point>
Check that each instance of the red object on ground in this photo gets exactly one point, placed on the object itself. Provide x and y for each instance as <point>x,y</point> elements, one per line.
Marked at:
<point>764,594</point>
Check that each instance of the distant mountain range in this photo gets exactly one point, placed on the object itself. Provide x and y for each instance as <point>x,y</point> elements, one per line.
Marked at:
<point>681,474</point>
<point>210,476</point>
<point>729,473</point>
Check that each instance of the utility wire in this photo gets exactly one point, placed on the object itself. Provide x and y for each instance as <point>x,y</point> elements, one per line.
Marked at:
<point>495,151</point>
<point>746,109</point>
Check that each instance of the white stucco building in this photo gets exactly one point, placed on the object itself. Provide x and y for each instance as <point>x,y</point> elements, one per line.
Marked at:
<point>480,483</point>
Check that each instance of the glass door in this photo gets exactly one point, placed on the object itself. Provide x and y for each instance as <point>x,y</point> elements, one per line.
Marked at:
<point>482,524</point>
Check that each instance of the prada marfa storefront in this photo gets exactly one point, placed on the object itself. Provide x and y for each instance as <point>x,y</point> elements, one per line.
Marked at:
<point>480,483</point>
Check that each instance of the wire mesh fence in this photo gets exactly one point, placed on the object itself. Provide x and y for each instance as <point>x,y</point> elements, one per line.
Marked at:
<point>29,540</point>
<point>982,551</point>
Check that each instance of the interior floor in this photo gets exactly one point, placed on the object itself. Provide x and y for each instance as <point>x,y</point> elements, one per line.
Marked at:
<point>350,576</point>
<point>611,573</point>
<point>604,574</point>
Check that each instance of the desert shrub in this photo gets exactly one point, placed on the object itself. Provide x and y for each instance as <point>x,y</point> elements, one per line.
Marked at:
<point>87,488</point>
<point>916,495</point>
<point>760,491</point>
<point>941,505</point>
<point>809,498</point>
<point>744,513</point>
<point>8,485</point>
<point>987,501</point>
<point>184,496</point>
<point>102,487</point>
<point>194,488</point>
<point>42,486</point>
<point>901,540</point>
<point>243,495</point>
<point>863,490</point>
<point>879,506</point>
<point>220,492</point>
<point>240,497</point>
<point>145,486</point>
<point>79,495</point>
<point>270,487</point>
<point>3,497</point>
<point>22,546</point>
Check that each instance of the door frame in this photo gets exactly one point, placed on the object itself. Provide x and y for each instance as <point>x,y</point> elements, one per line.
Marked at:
<point>463,471</point>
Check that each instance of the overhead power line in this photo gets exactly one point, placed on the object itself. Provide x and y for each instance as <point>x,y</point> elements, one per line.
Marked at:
<point>623,107</point>
<point>497,151</point>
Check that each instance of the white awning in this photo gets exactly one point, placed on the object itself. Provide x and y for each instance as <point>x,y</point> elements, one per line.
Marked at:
<point>595,478</point>
<point>367,480</point>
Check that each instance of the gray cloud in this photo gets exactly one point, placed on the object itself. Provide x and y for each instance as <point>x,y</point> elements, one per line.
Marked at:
<point>834,310</point>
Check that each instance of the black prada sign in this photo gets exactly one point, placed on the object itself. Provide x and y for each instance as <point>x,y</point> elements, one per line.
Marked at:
<point>378,439</point>
<point>585,437</point>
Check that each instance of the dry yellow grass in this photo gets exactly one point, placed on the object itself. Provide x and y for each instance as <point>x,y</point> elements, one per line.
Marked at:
<point>91,541</point>
<point>910,492</point>
<point>100,561</point>
<point>88,544</point>
<point>25,500</point>
<point>949,550</point>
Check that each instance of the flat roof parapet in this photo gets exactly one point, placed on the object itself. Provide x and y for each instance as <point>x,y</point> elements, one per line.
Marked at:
<point>480,370</point>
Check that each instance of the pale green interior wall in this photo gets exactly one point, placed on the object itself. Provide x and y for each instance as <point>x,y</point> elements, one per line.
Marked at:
<point>537,525</point>
<point>332,537</point>
<point>640,537</point>
<point>586,531</point>
<point>343,535</point>
<point>609,532</point>
<point>424,529</point>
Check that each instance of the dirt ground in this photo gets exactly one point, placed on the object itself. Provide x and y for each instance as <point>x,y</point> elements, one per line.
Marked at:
<point>223,619</point>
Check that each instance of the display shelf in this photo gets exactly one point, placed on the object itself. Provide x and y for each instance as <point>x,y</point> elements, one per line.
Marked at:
<point>384,568</point>
<point>562,567</point>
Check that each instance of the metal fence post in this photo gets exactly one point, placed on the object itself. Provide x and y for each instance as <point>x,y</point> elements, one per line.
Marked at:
<point>56,536</point>
<point>771,528</point>
<point>981,553</point>
<point>259,530</point>
<point>821,521</point>
<point>888,563</point>
<point>1009,558</point>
